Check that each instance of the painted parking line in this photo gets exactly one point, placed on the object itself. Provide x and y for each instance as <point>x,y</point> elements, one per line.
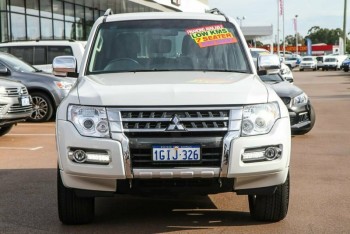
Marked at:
<point>31,134</point>
<point>21,148</point>
<point>36,124</point>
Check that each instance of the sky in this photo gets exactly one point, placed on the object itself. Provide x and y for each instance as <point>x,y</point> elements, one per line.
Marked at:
<point>322,13</point>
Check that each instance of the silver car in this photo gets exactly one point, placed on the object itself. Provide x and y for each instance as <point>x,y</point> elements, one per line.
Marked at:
<point>46,90</point>
<point>15,104</point>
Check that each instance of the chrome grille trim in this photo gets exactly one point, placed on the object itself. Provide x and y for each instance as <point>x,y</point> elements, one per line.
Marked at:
<point>16,108</point>
<point>15,92</point>
<point>193,120</point>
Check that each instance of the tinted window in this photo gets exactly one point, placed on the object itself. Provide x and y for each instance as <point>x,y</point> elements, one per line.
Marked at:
<point>54,51</point>
<point>4,49</point>
<point>24,53</point>
<point>39,55</point>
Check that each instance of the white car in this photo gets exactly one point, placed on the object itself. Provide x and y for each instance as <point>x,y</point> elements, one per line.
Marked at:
<point>285,71</point>
<point>308,62</point>
<point>41,53</point>
<point>333,62</point>
<point>171,103</point>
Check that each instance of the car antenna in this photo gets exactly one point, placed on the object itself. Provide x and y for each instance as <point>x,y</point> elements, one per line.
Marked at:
<point>107,13</point>
<point>218,12</point>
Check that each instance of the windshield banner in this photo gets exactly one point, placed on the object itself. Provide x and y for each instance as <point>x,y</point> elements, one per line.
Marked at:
<point>212,35</point>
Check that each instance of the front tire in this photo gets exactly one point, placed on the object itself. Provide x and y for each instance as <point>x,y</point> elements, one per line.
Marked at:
<point>43,108</point>
<point>71,208</point>
<point>5,129</point>
<point>271,208</point>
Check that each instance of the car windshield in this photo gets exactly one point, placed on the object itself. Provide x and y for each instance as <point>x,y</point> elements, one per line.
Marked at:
<point>167,45</point>
<point>307,59</point>
<point>16,64</point>
<point>276,78</point>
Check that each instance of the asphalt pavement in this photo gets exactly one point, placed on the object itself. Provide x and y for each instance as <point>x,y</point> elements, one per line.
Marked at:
<point>320,177</point>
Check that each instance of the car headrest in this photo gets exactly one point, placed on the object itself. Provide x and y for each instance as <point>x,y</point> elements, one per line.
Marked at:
<point>161,46</point>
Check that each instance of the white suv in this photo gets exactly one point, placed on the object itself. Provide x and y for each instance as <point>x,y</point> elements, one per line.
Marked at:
<point>308,62</point>
<point>41,53</point>
<point>171,103</point>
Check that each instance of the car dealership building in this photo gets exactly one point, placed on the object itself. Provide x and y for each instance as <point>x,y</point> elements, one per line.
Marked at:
<point>72,19</point>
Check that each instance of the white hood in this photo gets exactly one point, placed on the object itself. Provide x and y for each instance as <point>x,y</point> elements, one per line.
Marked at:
<point>171,89</point>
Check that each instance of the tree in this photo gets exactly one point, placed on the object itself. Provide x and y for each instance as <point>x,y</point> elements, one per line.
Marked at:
<point>324,35</point>
<point>290,40</point>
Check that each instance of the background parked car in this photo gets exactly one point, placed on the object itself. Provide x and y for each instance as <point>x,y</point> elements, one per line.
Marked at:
<point>47,91</point>
<point>319,62</point>
<point>285,71</point>
<point>333,62</point>
<point>308,62</point>
<point>345,65</point>
<point>301,112</point>
<point>291,62</point>
<point>15,104</point>
<point>40,54</point>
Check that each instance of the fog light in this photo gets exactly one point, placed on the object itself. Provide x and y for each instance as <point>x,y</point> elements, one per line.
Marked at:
<point>79,156</point>
<point>262,154</point>
<point>271,153</point>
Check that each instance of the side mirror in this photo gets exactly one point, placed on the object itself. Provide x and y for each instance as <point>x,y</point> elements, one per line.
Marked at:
<point>4,70</point>
<point>267,63</point>
<point>65,66</point>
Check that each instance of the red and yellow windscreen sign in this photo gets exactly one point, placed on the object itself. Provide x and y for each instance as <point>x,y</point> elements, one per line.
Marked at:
<point>211,35</point>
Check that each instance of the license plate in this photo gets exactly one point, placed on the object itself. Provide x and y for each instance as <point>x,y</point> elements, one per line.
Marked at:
<point>25,101</point>
<point>168,153</point>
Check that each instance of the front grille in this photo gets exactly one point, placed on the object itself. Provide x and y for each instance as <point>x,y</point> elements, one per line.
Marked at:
<point>302,117</point>
<point>146,127</point>
<point>159,121</point>
<point>2,106</point>
<point>17,108</point>
<point>15,92</point>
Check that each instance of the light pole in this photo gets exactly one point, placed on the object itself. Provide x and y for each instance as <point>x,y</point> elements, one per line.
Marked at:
<point>240,19</point>
<point>344,26</point>
<point>296,33</point>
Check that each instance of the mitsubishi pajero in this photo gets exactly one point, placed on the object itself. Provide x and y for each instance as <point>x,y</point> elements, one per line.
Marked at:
<point>171,103</point>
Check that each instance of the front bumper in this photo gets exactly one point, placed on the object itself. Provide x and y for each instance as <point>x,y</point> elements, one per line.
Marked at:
<point>307,66</point>
<point>106,177</point>
<point>300,117</point>
<point>11,111</point>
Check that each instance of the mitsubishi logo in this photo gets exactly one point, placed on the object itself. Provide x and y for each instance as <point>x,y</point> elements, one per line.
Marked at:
<point>175,125</point>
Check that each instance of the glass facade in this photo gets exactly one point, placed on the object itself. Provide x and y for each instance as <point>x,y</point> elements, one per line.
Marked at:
<point>56,19</point>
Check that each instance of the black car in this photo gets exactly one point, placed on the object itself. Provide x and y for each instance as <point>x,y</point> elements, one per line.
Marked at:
<point>47,91</point>
<point>301,112</point>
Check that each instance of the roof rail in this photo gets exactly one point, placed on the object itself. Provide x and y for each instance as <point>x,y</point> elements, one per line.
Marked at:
<point>218,12</point>
<point>107,13</point>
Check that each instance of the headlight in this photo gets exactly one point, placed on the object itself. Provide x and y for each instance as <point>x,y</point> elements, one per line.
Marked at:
<point>2,90</point>
<point>299,100</point>
<point>89,121</point>
<point>64,85</point>
<point>259,119</point>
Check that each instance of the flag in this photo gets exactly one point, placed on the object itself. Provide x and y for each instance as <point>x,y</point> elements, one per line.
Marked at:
<point>281,3</point>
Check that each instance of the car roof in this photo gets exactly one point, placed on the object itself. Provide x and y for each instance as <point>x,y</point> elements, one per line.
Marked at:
<point>42,43</point>
<point>164,15</point>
